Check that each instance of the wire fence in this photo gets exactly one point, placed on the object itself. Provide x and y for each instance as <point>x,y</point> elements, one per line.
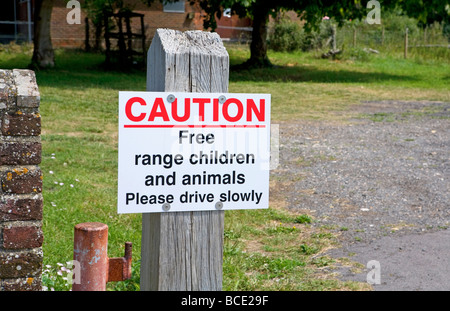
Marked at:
<point>429,42</point>
<point>398,36</point>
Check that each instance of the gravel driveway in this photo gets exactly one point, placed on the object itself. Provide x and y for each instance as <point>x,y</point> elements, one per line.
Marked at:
<point>381,179</point>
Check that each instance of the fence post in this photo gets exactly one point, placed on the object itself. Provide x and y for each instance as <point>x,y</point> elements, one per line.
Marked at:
<point>184,250</point>
<point>90,253</point>
<point>406,43</point>
<point>333,37</point>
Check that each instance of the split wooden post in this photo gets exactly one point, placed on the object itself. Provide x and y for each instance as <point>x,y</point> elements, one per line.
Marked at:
<point>184,250</point>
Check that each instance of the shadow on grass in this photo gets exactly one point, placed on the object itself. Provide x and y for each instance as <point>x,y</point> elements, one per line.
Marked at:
<point>309,73</point>
<point>77,69</point>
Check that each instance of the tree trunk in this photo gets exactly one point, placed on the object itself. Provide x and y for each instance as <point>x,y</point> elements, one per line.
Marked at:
<point>43,54</point>
<point>258,47</point>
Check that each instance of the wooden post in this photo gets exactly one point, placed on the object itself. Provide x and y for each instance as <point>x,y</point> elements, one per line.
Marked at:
<point>123,59</point>
<point>184,250</point>
<point>406,43</point>
<point>354,37</point>
<point>143,34</point>
<point>425,35</point>
<point>333,37</point>
<point>87,45</point>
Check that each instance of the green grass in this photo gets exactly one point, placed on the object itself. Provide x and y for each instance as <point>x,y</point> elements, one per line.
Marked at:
<point>273,249</point>
<point>304,86</point>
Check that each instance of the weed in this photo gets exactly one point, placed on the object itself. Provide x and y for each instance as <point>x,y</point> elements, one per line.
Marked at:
<point>307,249</point>
<point>303,219</point>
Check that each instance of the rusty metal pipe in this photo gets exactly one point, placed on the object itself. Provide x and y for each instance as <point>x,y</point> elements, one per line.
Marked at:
<point>91,252</point>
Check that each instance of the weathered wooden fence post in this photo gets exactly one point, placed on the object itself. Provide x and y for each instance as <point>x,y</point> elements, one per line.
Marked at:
<point>184,250</point>
<point>333,37</point>
<point>405,55</point>
<point>21,234</point>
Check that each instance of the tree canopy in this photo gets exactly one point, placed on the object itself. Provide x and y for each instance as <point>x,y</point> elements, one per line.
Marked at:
<point>260,10</point>
<point>312,12</point>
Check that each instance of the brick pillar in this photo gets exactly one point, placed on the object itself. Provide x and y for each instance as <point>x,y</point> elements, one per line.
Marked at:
<point>21,182</point>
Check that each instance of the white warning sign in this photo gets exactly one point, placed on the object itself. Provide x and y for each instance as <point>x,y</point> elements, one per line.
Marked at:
<point>193,151</point>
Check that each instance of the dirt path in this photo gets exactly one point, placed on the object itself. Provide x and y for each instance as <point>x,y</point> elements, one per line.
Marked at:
<point>380,179</point>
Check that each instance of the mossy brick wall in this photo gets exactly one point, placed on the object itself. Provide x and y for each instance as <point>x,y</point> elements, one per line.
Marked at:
<point>21,182</point>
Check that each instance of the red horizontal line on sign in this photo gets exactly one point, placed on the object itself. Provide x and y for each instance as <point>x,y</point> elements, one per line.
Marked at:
<point>193,126</point>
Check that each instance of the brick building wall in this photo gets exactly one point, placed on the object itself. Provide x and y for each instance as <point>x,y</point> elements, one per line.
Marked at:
<point>234,28</point>
<point>73,35</point>
<point>62,33</point>
<point>21,201</point>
